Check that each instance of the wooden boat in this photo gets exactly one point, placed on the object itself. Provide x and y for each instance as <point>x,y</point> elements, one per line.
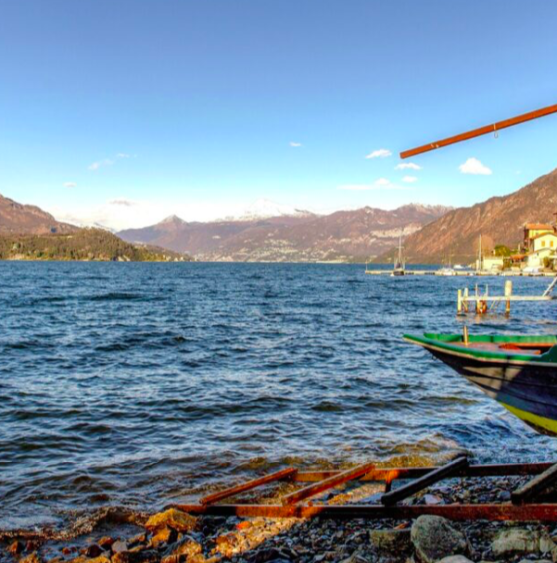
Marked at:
<point>519,372</point>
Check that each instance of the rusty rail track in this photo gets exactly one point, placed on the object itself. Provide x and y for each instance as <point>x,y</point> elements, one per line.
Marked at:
<point>525,505</point>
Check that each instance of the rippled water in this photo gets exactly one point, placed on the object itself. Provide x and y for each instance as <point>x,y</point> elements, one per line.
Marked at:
<point>137,384</point>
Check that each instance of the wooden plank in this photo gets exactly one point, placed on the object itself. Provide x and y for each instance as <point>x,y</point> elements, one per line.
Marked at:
<point>394,473</point>
<point>288,473</point>
<point>480,131</point>
<point>536,486</point>
<point>499,512</point>
<point>329,483</point>
<point>449,470</point>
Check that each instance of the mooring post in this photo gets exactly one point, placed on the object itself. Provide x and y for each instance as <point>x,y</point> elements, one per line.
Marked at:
<point>459,302</point>
<point>466,299</point>
<point>508,293</point>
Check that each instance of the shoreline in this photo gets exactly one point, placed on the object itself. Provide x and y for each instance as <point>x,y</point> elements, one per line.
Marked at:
<point>119,535</point>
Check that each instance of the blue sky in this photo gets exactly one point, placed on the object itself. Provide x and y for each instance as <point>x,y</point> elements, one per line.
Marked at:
<point>125,110</point>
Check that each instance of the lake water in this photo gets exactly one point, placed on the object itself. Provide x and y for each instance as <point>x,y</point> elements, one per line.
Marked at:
<point>137,384</point>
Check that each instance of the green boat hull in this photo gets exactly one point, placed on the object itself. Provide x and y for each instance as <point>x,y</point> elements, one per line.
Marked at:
<point>525,382</point>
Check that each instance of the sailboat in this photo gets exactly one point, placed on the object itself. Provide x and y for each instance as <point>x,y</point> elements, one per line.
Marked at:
<point>400,266</point>
<point>518,371</point>
<point>447,269</point>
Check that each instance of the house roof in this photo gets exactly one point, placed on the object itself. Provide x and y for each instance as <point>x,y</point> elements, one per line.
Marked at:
<point>538,226</point>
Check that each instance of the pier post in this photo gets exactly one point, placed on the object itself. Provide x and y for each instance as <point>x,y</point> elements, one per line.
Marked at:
<point>459,302</point>
<point>466,300</point>
<point>508,293</point>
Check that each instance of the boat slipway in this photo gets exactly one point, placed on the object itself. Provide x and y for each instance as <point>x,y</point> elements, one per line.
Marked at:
<point>520,372</point>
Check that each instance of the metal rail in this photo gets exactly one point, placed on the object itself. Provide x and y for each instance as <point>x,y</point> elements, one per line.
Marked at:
<point>420,478</point>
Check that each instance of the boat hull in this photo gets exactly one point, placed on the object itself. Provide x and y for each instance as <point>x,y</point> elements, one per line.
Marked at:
<point>528,389</point>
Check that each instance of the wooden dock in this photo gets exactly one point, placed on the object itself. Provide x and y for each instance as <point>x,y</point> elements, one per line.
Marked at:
<point>481,300</point>
<point>462,273</point>
<point>466,273</point>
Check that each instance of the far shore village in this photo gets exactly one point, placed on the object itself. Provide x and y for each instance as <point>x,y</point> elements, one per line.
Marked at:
<point>536,252</point>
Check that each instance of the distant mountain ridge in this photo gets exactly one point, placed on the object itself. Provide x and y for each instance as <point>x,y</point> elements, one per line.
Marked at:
<point>499,220</point>
<point>296,236</point>
<point>16,218</point>
<point>29,233</point>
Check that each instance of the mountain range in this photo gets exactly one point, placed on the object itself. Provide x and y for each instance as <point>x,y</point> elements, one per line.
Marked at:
<point>29,233</point>
<point>302,236</point>
<point>16,218</point>
<point>271,233</point>
<point>499,220</point>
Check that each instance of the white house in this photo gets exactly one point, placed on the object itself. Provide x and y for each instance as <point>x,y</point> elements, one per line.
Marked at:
<point>543,246</point>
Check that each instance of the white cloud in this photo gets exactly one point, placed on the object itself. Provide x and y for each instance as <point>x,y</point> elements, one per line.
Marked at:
<point>99,163</point>
<point>382,182</point>
<point>108,161</point>
<point>474,166</point>
<point>409,179</point>
<point>407,166</point>
<point>70,185</point>
<point>294,144</point>
<point>379,153</point>
<point>124,202</point>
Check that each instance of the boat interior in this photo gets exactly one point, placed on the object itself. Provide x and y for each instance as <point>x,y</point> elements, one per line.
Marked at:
<point>531,345</point>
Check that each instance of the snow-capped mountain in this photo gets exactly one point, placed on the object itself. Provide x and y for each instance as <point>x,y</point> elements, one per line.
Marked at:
<point>265,209</point>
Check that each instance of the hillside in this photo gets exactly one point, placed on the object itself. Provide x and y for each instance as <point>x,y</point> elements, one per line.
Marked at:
<point>342,236</point>
<point>83,244</point>
<point>16,218</point>
<point>499,220</point>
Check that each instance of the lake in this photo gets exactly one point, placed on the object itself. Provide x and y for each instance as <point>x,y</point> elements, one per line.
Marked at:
<point>137,384</point>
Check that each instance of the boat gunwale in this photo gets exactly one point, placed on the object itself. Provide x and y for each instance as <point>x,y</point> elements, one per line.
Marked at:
<point>429,341</point>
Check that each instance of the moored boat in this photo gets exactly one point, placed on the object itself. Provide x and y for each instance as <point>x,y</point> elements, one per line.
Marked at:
<point>519,372</point>
<point>400,265</point>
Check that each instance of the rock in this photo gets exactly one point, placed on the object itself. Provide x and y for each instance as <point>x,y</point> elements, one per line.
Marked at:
<point>16,547</point>
<point>106,542</point>
<point>92,551</point>
<point>434,538</point>
<point>101,559</point>
<point>145,556</point>
<point>391,541</point>
<point>31,558</point>
<point>455,559</point>
<point>119,546</point>
<point>137,540</point>
<point>164,535</point>
<point>433,499</point>
<point>516,541</point>
<point>186,546</point>
<point>171,518</point>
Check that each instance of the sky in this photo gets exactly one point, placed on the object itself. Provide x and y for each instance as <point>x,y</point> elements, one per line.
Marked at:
<point>122,112</point>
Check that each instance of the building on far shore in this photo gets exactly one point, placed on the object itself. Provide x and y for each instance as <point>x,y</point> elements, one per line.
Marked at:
<point>533,230</point>
<point>542,249</point>
<point>537,251</point>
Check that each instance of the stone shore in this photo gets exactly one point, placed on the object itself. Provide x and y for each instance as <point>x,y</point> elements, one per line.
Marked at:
<point>173,536</point>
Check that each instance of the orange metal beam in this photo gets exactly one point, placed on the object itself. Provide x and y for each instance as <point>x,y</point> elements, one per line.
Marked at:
<point>481,131</point>
<point>501,512</point>
<point>289,473</point>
